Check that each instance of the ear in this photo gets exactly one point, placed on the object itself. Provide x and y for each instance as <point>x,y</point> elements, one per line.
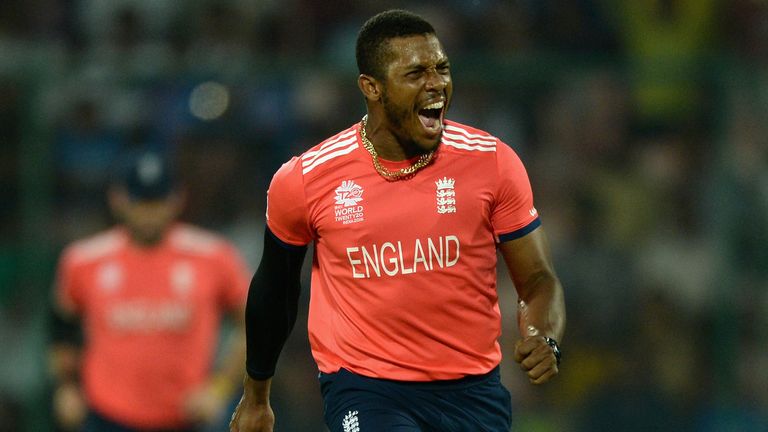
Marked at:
<point>370,87</point>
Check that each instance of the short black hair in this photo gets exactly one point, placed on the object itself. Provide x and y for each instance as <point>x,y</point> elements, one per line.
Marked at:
<point>371,48</point>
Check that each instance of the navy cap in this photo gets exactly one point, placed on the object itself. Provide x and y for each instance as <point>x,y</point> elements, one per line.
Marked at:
<point>148,176</point>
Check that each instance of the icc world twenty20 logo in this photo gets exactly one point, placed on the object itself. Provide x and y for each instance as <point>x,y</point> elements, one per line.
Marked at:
<point>348,209</point>
<point>349,193</point>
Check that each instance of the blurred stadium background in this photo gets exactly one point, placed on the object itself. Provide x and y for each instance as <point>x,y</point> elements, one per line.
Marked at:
<point>642,123</point>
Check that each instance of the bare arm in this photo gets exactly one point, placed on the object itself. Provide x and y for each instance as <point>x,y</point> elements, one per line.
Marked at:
<point>254,412</point>
<point>542,306</point>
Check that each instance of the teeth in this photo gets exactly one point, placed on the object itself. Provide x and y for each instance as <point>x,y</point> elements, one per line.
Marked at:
<point>436,105</point>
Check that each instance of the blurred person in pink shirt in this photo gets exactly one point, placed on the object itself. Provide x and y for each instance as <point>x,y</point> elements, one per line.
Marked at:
<point>139,310</point>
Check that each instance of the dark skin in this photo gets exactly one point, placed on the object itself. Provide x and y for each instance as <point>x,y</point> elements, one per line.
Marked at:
<point>542,313</point>
<point>417,76</point>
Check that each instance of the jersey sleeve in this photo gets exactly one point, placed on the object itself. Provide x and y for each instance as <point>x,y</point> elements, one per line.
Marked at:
<point>287,209</point>
<point>514,214</point>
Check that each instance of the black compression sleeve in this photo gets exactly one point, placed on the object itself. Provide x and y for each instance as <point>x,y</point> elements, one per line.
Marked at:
<point>63,329</point>
<point>273,302</point>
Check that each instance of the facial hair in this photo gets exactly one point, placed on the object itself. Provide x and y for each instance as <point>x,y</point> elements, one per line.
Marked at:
<point>396,117</point>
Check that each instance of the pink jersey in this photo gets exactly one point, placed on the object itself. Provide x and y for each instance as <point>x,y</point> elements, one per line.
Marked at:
<point>151,318</point>
<point>404,272</point>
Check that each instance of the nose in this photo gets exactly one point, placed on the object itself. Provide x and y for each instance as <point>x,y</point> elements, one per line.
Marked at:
<point>436,80</point>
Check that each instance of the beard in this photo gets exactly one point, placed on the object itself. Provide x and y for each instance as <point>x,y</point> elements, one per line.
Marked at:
<point>397,117</point>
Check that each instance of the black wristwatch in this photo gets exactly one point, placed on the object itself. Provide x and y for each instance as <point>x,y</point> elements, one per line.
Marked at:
<point>555,348</point>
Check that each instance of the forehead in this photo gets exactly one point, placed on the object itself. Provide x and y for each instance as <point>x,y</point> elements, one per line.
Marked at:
<point>417,50</point>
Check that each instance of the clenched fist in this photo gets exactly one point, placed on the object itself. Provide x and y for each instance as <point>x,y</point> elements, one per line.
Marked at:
<point>537,358</point>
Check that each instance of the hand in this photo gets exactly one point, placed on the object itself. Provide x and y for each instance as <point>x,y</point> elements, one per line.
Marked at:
<point>252,417</point>
<point>69,406</point>
<point>536,358</point>
<point>253,413</point>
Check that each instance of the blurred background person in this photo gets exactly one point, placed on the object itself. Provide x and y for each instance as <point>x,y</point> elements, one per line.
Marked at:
<point>149,296</point>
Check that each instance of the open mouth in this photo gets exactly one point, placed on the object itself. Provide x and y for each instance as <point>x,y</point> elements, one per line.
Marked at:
<point>431,117</point>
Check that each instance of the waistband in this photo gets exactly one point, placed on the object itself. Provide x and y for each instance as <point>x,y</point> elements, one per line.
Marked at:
<point>459,383</point>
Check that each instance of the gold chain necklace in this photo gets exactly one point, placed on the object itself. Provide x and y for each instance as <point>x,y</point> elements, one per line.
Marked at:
<point>402,173</point>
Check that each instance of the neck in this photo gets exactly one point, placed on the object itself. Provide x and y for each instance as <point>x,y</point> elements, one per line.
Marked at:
<point>401,174</point>
<point>388,146</point>
<point>146,239</point>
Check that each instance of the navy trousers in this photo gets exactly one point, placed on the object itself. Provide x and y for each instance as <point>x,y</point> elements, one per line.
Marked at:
<point>355,403</point>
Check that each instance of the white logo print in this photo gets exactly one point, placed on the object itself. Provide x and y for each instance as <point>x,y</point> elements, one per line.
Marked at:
<point>349,193</point>
<point>446,195</point>
<point>110,276</point>
<point>182,278</point>
<point>350,422</point>
<point>348,209</point>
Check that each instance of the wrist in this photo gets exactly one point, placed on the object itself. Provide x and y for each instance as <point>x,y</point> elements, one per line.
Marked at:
<point>555,348</point>
<point>257,390</point>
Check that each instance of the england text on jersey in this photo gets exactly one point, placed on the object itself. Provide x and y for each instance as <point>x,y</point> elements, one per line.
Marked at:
<point>393,257</point>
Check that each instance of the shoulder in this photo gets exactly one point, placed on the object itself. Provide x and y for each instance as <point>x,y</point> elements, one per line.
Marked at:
<point>316,162</point>
<point>194,240</point>
<point>95,247</point>
<point>329,153</point>
<point>465,138</point>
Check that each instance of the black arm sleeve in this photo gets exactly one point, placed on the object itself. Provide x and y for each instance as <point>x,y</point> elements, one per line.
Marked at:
<point>273,302</point>
<point>64,330</point>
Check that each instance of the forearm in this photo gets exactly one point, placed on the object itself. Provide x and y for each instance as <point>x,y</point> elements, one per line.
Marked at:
<point>65,346</point>
<point>67,401</point>
<point>541,307</point>
<point>269,321</point>
<point>542,311</point>
<point>272,305</point>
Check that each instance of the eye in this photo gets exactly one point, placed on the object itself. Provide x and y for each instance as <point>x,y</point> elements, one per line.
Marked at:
<point>414,74</point>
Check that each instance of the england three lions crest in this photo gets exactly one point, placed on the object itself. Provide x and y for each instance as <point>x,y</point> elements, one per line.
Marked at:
<point>445,195</point>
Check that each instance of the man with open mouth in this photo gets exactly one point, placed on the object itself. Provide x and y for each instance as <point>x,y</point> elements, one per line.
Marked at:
<point>406,211</point>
